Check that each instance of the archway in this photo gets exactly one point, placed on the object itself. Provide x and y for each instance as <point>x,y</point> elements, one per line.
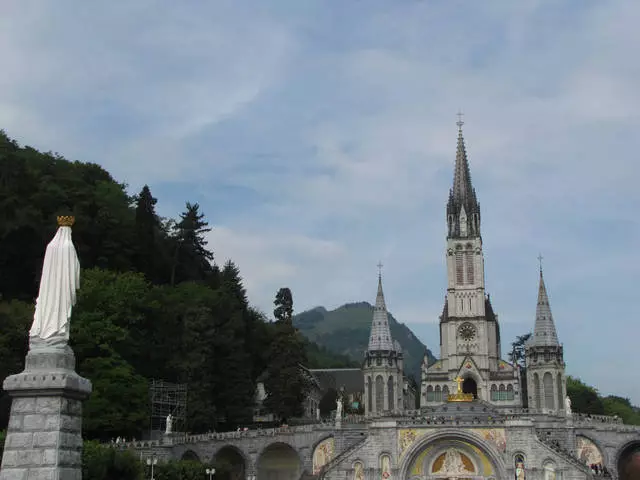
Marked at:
<point>629,462</point>
<point>190,455</point>
<point>470,386</point>
<point>279,461</point>
<point>452,454</point>
<point>229,464</point>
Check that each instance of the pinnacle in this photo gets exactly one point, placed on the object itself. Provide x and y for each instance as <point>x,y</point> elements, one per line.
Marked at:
<point>544,333</point>
<point>380,337</point>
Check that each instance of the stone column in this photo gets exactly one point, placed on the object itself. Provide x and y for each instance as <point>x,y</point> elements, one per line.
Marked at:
<point>44,438</point>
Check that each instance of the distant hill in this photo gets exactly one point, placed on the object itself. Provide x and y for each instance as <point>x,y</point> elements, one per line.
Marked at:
<point>345,331</point>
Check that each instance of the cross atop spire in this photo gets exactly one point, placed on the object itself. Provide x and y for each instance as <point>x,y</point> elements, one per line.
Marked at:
<point>540,257</point>
<point>380,269</point>
<point>380,336</point>
<point>462,195</point>
<point>544,332</point>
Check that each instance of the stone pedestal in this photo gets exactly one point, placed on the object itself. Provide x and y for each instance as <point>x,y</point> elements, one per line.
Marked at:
<point>44,438</point>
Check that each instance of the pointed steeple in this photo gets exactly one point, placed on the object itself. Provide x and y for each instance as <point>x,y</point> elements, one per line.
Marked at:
<point>462,196</point>
<point>544,333</point>
<point>380,337</point>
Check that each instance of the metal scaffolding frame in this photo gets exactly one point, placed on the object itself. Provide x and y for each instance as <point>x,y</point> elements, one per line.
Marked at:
<point>167,398</point>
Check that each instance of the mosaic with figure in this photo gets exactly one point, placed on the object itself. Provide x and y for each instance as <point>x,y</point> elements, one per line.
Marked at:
<point>323,454</point>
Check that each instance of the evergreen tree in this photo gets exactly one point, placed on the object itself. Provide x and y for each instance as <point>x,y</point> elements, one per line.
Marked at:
<point>285,384</point>
<point>192,260</point>
<point>517,357</point>
<point>284,306</point>
<point>147,227</point>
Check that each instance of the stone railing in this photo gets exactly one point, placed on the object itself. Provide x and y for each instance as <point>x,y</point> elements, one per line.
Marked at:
<point>568,456</point>
<point>181,438</point>
<point>588,418</point>
<point>451,420</point>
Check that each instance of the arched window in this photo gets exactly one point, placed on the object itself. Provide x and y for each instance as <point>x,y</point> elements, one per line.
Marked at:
<point>510,395</point>
<point>445,393</point>
<point>459,266</point>
<point>390,393</point>
<point>549,470</point>
<point>502,393</point>
<point>469,258</point>
<point>438,394</point>
<point>547,383</point>
<point>379,393</point>
<point>430,396</point>
<point>559,391</point>
<point>494,393</point>
<point>537,394</point>
<point>369,396</point>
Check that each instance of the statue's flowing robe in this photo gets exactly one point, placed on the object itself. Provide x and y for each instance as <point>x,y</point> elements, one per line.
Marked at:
<point>58,285</point>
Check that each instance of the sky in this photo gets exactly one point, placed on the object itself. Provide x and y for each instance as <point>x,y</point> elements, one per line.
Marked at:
<point>319,138</point>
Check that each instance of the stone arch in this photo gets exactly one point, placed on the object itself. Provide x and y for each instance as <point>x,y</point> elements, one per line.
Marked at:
<point>379,394</point>
<point>537,397</point>
<point>589,449</point>
<point>471,384</point>
<point>231,463</point>
<point>322,452</point>
<point>559,391</point>
<point>416,450</point>
<point>279,461</point>
<point>190,455</point>
<point>628,460</point>
<point>547,386</point>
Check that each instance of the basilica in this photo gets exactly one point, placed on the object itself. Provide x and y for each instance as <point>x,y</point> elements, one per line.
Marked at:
<point>476,415</point>
<point>479,416</point>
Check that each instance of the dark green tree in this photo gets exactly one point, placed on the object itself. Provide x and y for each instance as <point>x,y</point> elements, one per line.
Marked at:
<point>517,358</point>
<point>147,228</point>
<point>285,384</point>
<point>284,306</point>
<point>191,258</point>
<point>584,399</point>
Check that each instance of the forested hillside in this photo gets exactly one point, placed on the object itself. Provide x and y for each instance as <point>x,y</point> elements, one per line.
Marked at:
<point>152,302</point>
<point>345,330</point>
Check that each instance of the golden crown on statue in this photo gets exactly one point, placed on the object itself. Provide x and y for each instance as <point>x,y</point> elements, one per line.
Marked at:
<point>66,221</point>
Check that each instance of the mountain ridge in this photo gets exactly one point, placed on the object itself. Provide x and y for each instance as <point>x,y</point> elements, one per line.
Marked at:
<point>345,331</point>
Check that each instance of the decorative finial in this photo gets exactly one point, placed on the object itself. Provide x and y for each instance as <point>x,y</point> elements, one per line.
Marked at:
<point>460,122</point>
<point>540,257</point>
<point>380,269</point>
<point>66,221</point>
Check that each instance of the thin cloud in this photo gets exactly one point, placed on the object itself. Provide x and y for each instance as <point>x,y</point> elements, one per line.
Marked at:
<point>319,141</point>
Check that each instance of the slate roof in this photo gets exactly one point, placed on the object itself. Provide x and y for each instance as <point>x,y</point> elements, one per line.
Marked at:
<point>351,379</point>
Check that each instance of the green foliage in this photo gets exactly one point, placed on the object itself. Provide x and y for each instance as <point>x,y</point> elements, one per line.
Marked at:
<point>345,331</point>
<point>584,399</point>
<point>101,462</point>
<point>15,319</point>
<point>284,305</point>
<point>516,355</point>
<point>621,407</point>
<point>182,470</point>
<point>3,435</point>
<point>285,383</point>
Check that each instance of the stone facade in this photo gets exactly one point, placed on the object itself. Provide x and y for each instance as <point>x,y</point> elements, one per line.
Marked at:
<point>492,436</point>
<point>44,438</point>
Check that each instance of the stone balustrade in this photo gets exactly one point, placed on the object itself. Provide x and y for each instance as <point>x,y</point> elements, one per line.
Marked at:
<point>588,418</point>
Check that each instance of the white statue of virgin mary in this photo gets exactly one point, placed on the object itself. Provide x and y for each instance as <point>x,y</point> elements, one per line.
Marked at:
<point>58,285</point>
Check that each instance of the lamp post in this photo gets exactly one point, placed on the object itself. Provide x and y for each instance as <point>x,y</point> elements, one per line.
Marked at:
<point>210,472</point>
<point>152,462</point>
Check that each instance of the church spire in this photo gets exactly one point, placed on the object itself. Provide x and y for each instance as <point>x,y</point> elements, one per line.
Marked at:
<point>380,337</point>
<point>544,333</point>
<point>463,209</point>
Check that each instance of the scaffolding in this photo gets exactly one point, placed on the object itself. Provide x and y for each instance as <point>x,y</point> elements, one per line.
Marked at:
<point>167,399</point>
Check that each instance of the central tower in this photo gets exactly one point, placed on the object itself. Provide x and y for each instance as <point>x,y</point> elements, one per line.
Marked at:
<point>469,329</point>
